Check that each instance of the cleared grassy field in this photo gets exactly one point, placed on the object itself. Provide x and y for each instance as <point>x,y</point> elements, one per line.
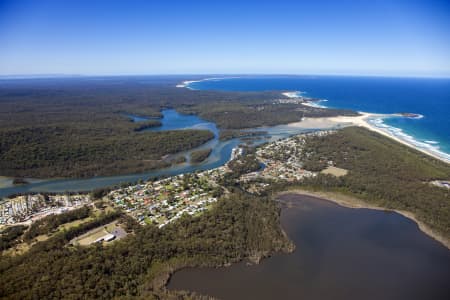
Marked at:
<point>335,171</point>
<point>91,236</point>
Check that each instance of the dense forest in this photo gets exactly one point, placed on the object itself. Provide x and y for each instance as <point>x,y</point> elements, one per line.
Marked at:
<point>244,164</point>
<point>84,152</point>
<point>239,226</point>
<point>228,134</point>
<point>200,155</point>
<point>9,236</point>
<point>239,115</point>
<point>78,127</point>
<point>383,172</point>
<point>50,223</point>
<point>147,125</point>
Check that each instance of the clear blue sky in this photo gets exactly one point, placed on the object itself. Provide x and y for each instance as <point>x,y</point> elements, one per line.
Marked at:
<point>178,37</point>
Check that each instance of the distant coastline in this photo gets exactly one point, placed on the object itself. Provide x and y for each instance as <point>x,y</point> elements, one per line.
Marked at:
<point>367,120</point>
<point>187,83</point>
<point>375,123</point>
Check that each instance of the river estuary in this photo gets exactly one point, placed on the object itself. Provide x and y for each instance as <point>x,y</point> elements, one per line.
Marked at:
<point>341,253</point>
<point>172,120</point>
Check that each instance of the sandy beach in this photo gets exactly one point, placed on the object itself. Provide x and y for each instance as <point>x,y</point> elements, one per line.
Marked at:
<point>352,202</point>
<point>363,121</point>
<point>5,182</point>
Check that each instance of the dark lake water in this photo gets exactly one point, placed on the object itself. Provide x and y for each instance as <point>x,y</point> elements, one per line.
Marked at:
<point>341,253</point>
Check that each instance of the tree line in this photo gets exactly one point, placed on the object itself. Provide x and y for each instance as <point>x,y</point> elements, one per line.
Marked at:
<point>50,223</point>
<point>198,156</point>
<point>239,226</point>
<point>382,172</point>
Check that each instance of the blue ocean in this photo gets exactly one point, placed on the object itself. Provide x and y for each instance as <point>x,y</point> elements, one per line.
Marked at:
<point>429,97</point>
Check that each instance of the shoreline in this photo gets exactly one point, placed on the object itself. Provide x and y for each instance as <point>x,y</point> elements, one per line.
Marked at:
<point>186,83</point>
<point>363,120</point>
<point>355,203</point>
<point>6,182</point>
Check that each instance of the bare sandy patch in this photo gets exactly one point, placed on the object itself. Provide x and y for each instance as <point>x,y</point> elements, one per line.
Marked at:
<point>338,172</point>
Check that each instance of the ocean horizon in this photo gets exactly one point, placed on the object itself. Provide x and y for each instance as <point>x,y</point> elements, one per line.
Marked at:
<point>427,97</point>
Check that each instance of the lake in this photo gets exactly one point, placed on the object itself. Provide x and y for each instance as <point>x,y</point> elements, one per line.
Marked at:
<point>341,253</point>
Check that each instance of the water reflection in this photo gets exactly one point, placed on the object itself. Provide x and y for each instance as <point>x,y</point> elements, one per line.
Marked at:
<point>341,253</point>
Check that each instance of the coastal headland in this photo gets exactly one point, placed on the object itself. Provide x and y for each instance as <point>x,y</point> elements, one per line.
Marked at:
<point>227,215</point>
<point>222,214</point>
<point>363,120</point>
<point>367,120</point>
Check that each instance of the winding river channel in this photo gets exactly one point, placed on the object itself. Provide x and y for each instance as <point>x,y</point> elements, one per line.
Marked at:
<point>341,253</point>
<point>172,120</point>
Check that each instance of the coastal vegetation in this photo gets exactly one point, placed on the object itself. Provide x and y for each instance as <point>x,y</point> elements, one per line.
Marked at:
<point>147,125</point>
<point>200,155</point>
<point>78,127</point>
<point>242,164</point>
<point>19,181</point>
<point>50,223</point>
<point>383,173</point>
<point>228,134</point>
<point>239,226</point>
<point>81,151</point>
<point>251,114</point>
<point>9,236</point>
